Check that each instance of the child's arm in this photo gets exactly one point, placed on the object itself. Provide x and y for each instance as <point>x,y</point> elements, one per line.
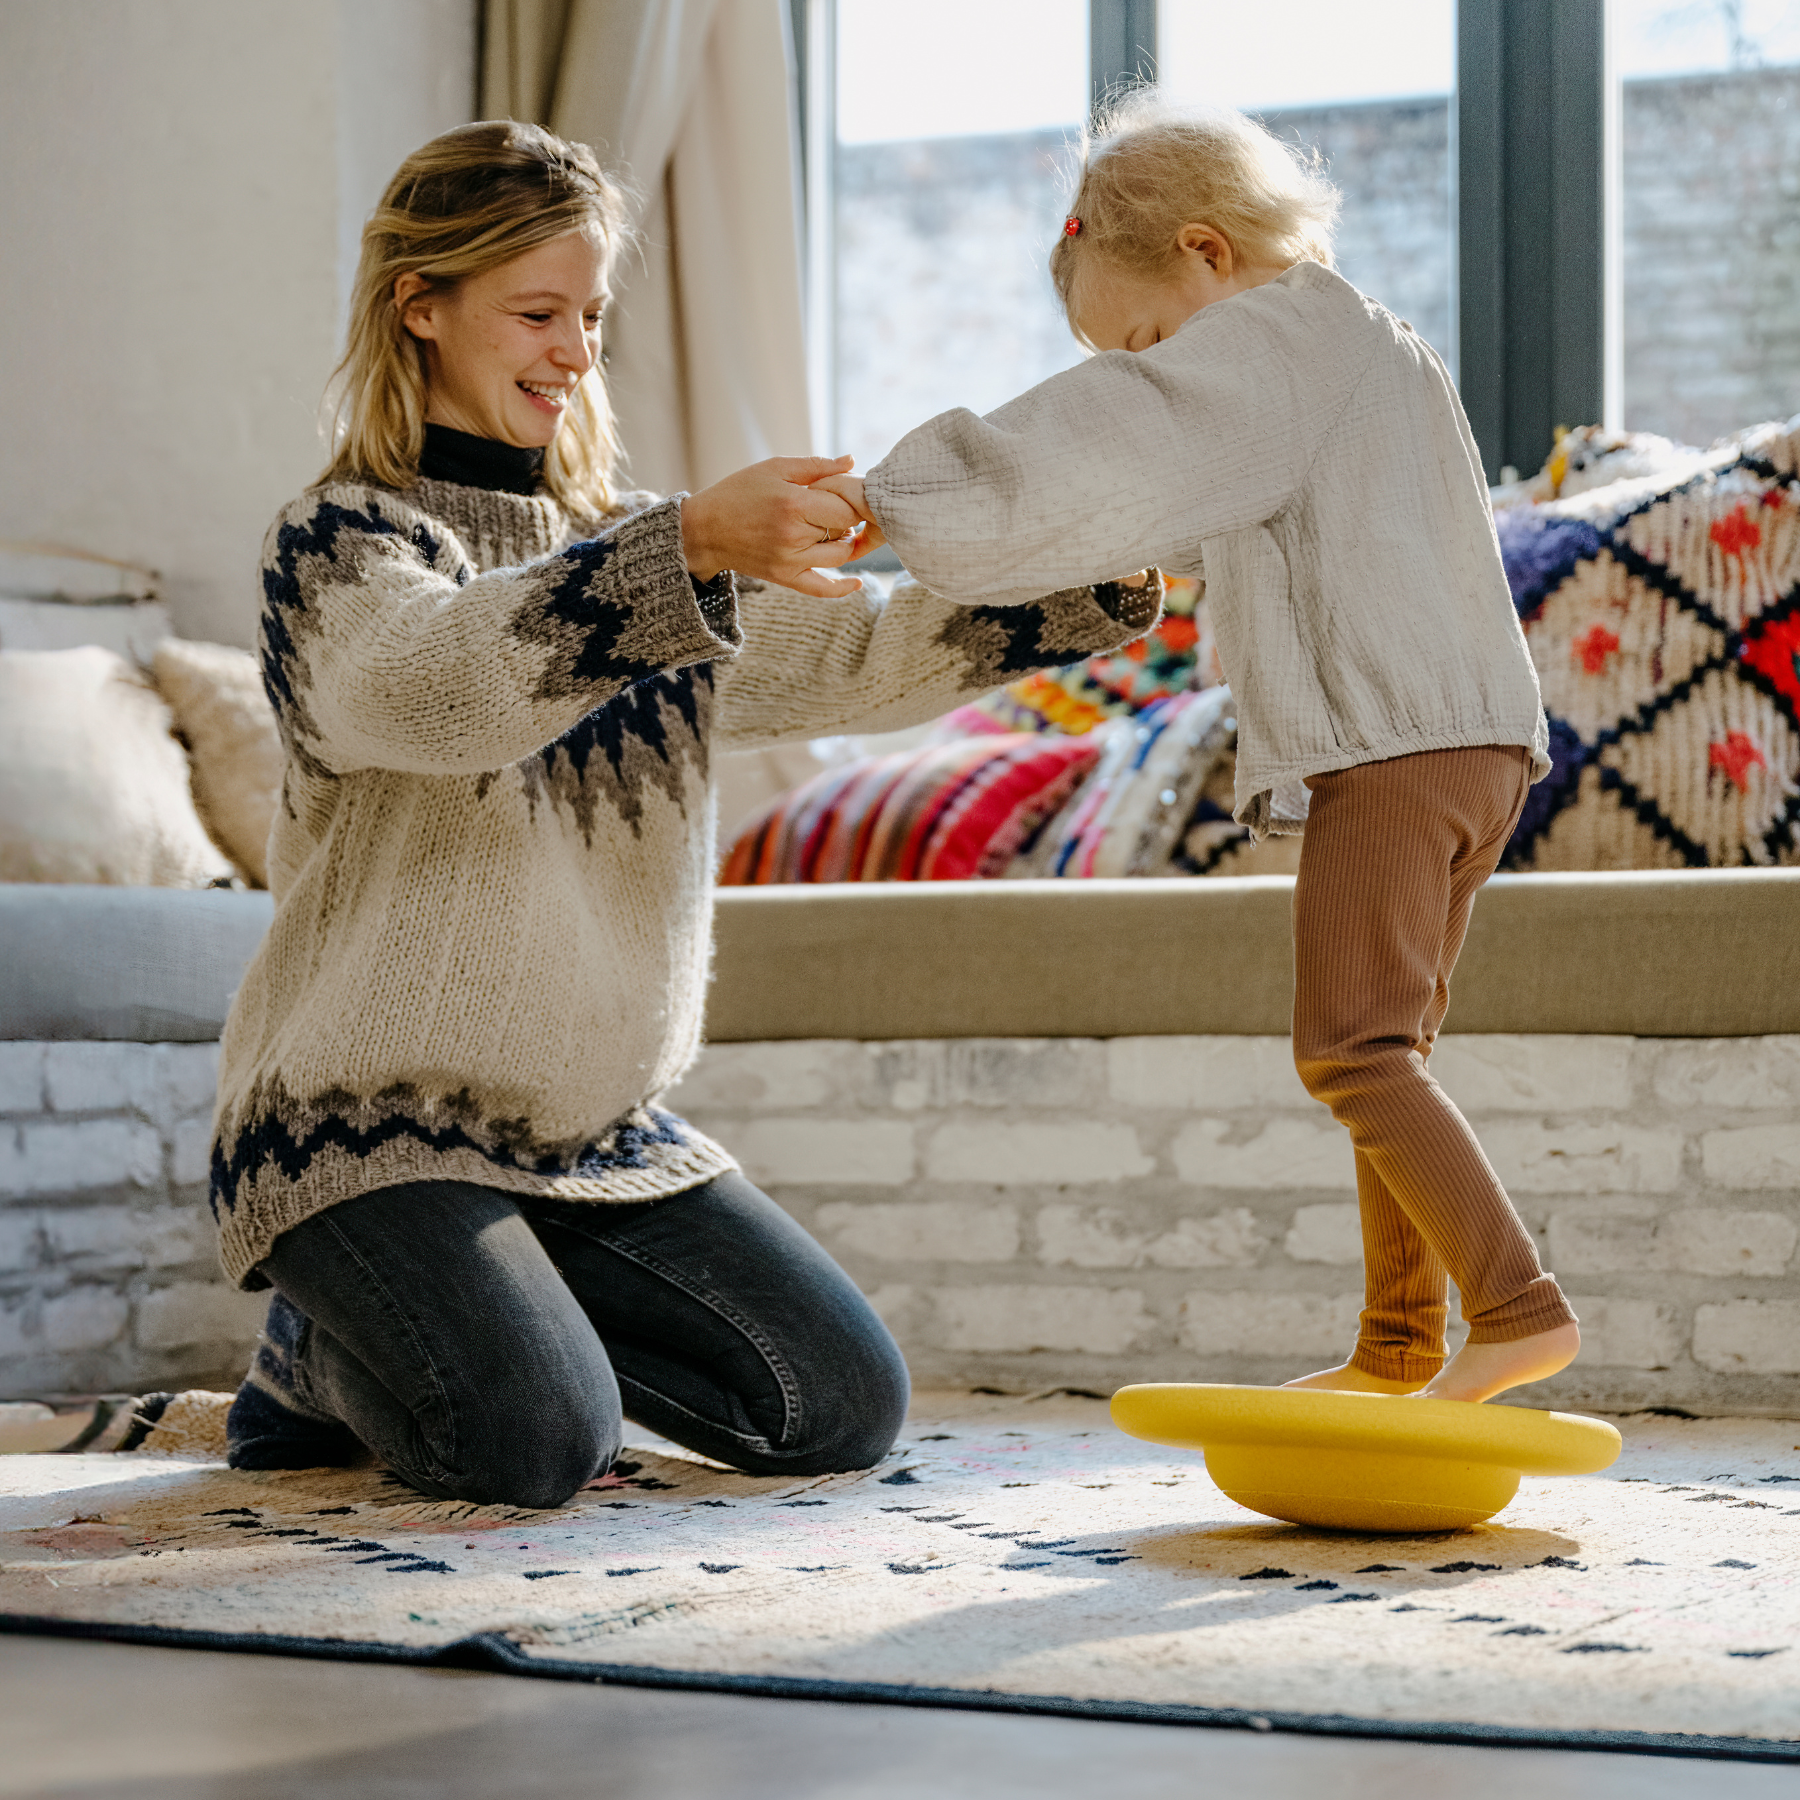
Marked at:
<point>875,663</point>
<point>1123,460</point>
<point>849,488</point>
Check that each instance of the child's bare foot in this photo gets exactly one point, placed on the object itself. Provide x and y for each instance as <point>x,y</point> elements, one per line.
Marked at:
<point>1348,1378</point>
<point>1480,1371</point>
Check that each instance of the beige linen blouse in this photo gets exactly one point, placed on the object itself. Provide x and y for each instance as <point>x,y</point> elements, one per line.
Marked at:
<point>1304,453</point>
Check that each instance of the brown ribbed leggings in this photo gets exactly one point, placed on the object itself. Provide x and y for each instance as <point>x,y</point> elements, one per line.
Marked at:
<point>1393,856</point>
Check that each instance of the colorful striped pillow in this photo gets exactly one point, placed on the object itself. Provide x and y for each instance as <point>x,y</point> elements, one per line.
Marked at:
<point>946,812</point>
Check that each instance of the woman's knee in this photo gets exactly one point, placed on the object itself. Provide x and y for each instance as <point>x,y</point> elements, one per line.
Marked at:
<point>524,1444</point>
<point>851,1421</point>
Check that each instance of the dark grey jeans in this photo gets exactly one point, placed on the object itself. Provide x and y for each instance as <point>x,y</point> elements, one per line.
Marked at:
<point>487,1347</point>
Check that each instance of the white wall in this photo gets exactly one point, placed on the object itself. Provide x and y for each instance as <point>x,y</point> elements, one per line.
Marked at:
<point>184,181</point>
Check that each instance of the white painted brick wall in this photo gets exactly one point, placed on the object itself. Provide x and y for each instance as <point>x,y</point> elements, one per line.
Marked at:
<point>1105,1237</point>
<point>1099,1321</point>
<point>1325,1234</point>
<point>1501,1074</point>
<point>1757,1337</point>
<point>1232,1238</point>
<point>1622,1333</point>
<point>85,1318</point>
<point>1754,1156</point>
<point>1730,1074</point>
<point>1320,1328</point>
<point>1027,1213</point>
<point>1033,1212</point>
<point>1545,1157</point>
<point>1309,1155</point>
<point>187,1314</point>
<point>70,1156</point>
<point>1635,1237</point>
<point>22,1078</point>
<point>921,1231</point>
<point>833,1152</point>
<point>1205,1074</point>
<point>1042,1153</point>
<point>109,1276</point>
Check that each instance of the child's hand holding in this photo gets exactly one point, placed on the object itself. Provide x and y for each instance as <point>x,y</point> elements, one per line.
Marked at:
<point>849,489</point>
<point>776,520</point>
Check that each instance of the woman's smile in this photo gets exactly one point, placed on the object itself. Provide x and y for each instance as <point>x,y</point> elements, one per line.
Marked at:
<point>552,397</point>
<point>506,349</point>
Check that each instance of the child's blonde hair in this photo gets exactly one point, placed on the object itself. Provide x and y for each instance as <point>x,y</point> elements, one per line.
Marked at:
<point>1149,167</point>
<point>458,206</point>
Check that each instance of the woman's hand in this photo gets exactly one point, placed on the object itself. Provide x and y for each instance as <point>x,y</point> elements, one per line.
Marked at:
<point>773,521</point>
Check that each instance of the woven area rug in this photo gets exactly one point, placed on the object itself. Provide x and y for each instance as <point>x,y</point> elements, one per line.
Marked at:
<point>1014,1554</point>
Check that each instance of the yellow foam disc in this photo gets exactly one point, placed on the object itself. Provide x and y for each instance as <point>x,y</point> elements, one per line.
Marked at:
<point>1363,1462</point>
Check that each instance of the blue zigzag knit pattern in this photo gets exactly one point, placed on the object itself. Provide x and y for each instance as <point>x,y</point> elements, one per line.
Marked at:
<point>494,855</point>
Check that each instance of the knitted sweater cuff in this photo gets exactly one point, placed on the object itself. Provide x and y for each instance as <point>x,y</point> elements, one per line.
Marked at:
<point>1136,607</point>
<point>702,615</point>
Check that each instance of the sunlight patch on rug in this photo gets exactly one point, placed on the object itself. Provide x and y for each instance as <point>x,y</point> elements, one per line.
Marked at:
<point>1008,1546</point>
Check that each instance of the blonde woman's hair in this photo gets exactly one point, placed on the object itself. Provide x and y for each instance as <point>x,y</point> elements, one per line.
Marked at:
<point>1149,167</point>
<point>458,206</point>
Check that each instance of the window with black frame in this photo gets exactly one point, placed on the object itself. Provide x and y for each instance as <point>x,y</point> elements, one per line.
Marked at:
<point>948,160</point>
<point>1590,208</point>
<point>1369,90</point>
<point>942,161</point>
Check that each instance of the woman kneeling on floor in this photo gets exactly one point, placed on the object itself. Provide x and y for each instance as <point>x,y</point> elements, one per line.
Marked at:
<point>500,680</point>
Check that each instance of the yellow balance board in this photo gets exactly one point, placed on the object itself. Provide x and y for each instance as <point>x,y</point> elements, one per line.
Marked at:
<point>1363,1462</point>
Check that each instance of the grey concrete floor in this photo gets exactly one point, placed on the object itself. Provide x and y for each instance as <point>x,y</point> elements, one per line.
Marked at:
<point>90,1721</point>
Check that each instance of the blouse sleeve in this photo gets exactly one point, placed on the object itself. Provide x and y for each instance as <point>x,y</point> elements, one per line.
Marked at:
<point>1126,460</point>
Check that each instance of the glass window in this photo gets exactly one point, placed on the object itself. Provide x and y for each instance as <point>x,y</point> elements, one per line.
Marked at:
<point>954,120</point>
<point>1368,84</point>
<point>1709,124</point>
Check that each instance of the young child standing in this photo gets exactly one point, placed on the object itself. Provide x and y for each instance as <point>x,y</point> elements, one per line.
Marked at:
<point>1250,418</point>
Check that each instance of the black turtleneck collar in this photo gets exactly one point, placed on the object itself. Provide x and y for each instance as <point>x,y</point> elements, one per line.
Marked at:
<point>479,462</point>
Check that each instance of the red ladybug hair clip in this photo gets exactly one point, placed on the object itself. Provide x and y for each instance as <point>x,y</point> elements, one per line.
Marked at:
<point>1071,227</point>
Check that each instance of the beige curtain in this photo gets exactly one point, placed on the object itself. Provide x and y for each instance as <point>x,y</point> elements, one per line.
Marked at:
<point>693,101</point>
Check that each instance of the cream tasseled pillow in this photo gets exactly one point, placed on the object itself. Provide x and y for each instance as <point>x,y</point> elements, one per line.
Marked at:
<point>93,785</point>
<point>216,695</point>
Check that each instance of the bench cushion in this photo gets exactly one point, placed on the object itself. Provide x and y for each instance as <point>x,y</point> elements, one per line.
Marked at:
<point>148,965</point>
<point>1707,953</point>
<point>1703,953</point>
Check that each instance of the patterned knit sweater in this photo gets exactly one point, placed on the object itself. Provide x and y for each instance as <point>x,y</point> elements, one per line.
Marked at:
<point>493,861</point>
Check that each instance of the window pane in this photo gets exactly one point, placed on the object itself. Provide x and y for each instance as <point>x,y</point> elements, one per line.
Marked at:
<point>1368,83</point>
<point>1710,182</point>
<point>954,121</point>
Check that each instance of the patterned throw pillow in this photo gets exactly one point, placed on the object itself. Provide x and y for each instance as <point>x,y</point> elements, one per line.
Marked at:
<point>1132,812</point>
<point>945,812</point>
<point>1663,614</point>
<point>1177,657</point>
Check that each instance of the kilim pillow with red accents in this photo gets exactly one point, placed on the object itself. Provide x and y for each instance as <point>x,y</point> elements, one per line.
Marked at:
<point>1664,618</point>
